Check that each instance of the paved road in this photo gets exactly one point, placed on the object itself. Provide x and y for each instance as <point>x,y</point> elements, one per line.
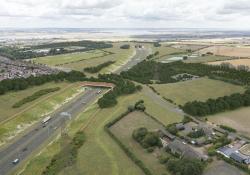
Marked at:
<point>30,142</point>
<point>24,146</point>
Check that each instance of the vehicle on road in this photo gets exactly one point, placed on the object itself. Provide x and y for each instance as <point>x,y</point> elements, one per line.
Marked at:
<point>100,91</point>
<point>16,161</point>
<point>45,120</point>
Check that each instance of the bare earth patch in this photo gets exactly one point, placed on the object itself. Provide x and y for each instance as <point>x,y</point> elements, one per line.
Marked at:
<point>236,62</point>
<point>228,51</point>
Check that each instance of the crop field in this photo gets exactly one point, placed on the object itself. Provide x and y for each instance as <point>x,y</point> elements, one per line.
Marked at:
<point>228,51</point>
<point>206,59</point>
<point>237,119</point>
<point>123,130</point>
<point>100,154</point>
<point>22,118</point>
<point>235,62</point>
<point>59,60</point>
<point>200,89</point>
<point>192,47</point>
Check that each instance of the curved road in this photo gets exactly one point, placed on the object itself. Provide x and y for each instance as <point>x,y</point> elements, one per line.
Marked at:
<point>26,145</point>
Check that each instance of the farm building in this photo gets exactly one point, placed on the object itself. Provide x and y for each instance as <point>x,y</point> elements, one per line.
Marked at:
<point>233,152</point>
<point>184,150</point>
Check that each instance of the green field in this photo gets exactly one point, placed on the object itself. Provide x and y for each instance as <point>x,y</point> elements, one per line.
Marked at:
<point>17,120</point>
<point>9,99</point>
<point>200,89</point>
<point>68,58</point>
<point>123,130</point>
<point>120,56</point>
<point>100,154</point>
<point>166,50</point>
<point>81,60</point>
<point>238,119</point>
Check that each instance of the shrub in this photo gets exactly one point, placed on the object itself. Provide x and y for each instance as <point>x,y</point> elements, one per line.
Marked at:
<point>227,128</point>
<point>35,96</point>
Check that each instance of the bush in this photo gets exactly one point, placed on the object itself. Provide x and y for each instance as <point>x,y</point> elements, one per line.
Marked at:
<point>35,96</point>
<point>150,149</point>
<point>125,46</point>
<point>139,134</point>
<point>172,129</point>
<point>99,67</point>
<point>185,166</point>
<point>67,156</point>
<point>227,128</point>
<point>196,134</point>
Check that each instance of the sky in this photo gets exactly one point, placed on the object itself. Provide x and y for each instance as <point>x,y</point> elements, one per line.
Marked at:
<point>226,14</point>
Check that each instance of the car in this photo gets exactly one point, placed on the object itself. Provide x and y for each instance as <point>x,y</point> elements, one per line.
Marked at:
<point>24,149</point>
<point>16,161</point>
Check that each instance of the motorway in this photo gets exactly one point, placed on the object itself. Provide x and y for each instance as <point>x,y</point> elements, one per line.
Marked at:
<point>23,147</point>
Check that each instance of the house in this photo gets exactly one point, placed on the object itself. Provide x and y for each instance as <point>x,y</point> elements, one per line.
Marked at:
<point>184,150</point>
<point>166,134</point>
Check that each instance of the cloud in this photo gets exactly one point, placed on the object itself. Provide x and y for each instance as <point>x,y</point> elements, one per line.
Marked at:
<point>127,13</point>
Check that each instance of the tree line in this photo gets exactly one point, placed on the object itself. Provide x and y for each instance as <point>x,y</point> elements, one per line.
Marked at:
<point>122,86</point>
<point>54,49</point>
<point>17,84</point>
<point>146,71</point>
<point>99,67</point>
<point>35,96</point>
<point>221,104</point>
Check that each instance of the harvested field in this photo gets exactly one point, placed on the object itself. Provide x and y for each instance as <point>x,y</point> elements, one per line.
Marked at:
<point>235,62</point>
<point>228,51</point>
<point>206,59</point>
<point>192,47</point>
<point>238,119</point>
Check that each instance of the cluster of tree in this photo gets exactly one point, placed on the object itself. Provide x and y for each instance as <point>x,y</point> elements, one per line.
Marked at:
<point>146,139</point>
<point>227,128</point>
<point>55,48</point>
<point>185,166</point>
<point>221,104</point>
<point>122,87</point>
<point>67,156</point>
<point>24,83</point>
<point>35,96</point>
<point>150,56</point>
<point>99,67</point>
<point>139,105</point>
<point>172,129</point>
<point>125,46</point>
<point>146,71</point>
<point>218,143</point>
<point>196,134</point>
<point>157,45</point>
